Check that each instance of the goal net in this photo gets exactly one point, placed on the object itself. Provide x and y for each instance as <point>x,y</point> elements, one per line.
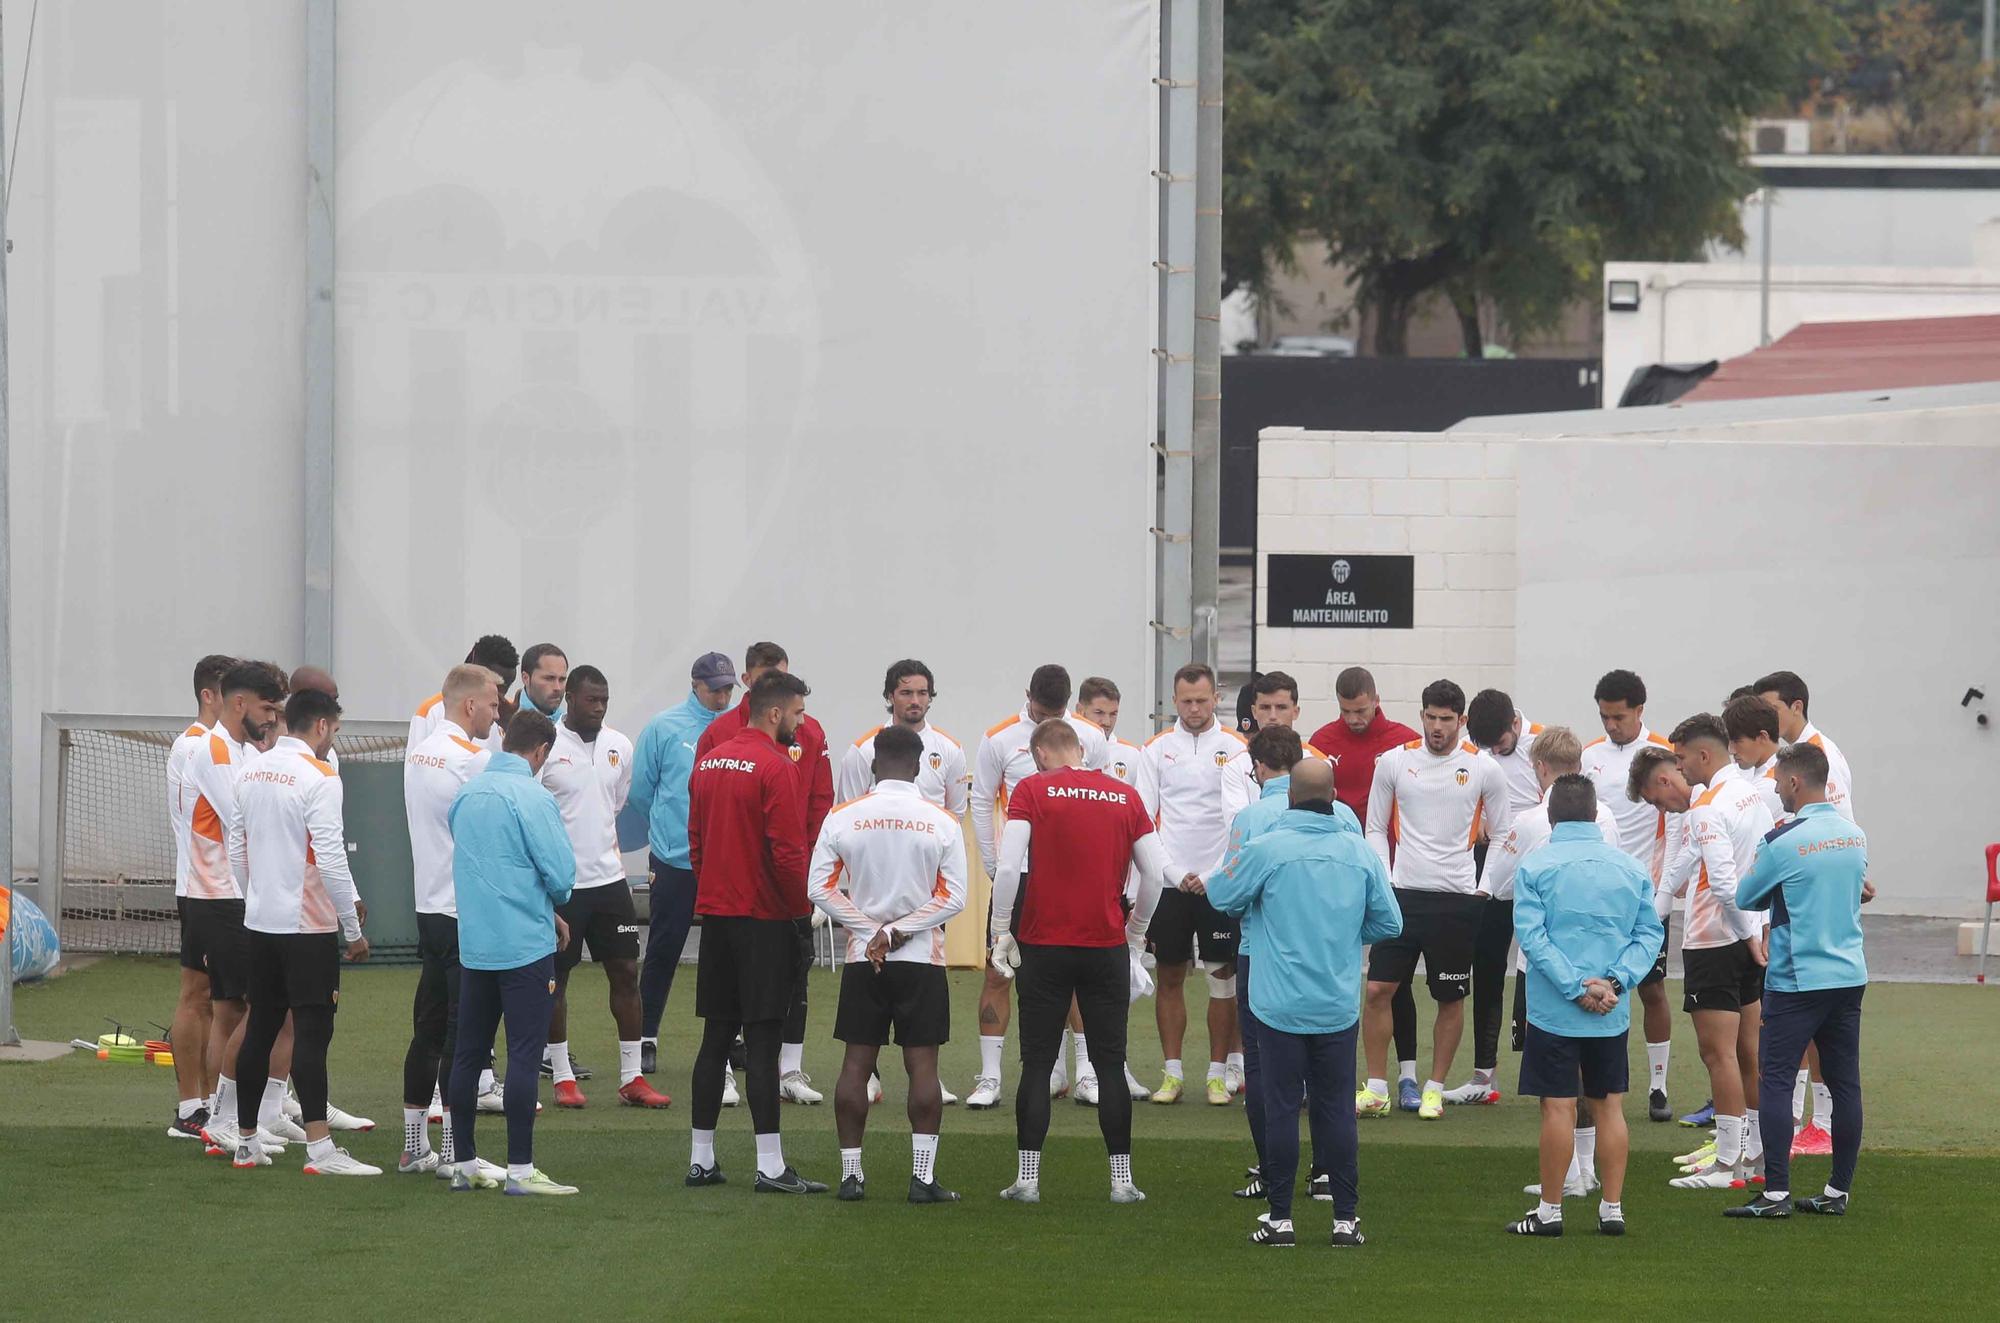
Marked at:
<point>107,852</point>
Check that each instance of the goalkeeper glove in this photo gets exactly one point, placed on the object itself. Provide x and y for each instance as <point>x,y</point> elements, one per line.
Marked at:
<point>1006,955</point>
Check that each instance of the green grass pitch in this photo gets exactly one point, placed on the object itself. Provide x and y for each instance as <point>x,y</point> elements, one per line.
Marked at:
<point>104,1216</point>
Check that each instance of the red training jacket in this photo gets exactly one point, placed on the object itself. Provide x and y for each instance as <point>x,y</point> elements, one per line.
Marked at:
<point>815,768</point>
<point>1354,756</point>
<point>746,840</point>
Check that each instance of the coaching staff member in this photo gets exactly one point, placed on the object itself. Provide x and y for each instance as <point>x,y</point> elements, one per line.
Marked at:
<point>747,843</point>
<point>1311,893</point>
<point>1087,830</point>
<point>1583,911</point>
<point>1811,875</point>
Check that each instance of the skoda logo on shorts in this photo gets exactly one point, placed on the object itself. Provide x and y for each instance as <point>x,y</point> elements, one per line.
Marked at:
<point>1341,569</point>
<point>1463,776</point>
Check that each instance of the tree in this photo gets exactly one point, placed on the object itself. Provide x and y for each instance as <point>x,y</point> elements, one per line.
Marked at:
<point>1494,151</point>
<point>1923,70</point>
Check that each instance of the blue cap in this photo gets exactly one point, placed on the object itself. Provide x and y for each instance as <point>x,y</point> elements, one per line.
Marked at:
<point>714,670</point>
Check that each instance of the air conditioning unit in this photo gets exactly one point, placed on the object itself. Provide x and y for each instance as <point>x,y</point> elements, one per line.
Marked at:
<point>1780,137</point>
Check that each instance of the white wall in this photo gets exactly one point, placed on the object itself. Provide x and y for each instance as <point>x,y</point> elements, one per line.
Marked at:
<point>1874,577</point>
<point>1907,227</point>
<point>803,322</point>
<point>1870,565</point>
<point>1693,311</point>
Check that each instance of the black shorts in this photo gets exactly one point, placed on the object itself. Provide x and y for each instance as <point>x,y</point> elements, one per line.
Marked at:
<point>604,917</point>
<point>1185,924</point>
<point>749,968</point>
<point>1721,978</point>
<point>294,969</point>
<point>1443,927</point>
<point>214,941</point>
<point>1551,1065</point>
<point>1658,973</point>
<point>912,999</point>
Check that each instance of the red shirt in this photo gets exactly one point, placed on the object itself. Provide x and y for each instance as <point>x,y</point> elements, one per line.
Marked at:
<point>1353,756</point>
<point>1085,825</point>
<point>814,767</point>
<point>746,840</point>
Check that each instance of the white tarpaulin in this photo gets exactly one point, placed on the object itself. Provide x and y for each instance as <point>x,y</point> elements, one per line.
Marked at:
<point>659,329</point>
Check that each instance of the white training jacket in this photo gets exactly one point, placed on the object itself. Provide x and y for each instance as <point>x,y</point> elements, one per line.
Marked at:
<point>1726,824</point>
<point>890,857</point>
<point>432,773</point>
<point>1239,779</point>
<point>590,780</point>
<point>1644,832</point>
<point>1438,807</point>
<point>1524,788</point>
<point>942,778</point>
<point>1188,770</point>
<point>1530,831</point>
<point>211,768</point>
<point>430,715</point>
<point>181,795</point>
<point>1003,760</point>
<point>1839,780</point>
<point>293,849</point>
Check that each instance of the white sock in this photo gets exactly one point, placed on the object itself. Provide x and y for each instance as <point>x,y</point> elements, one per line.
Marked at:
<point>1586,1152</point>
<point>558,1055</point>
<point>520,1171</point>
<point>1753,1136</point>
<point>850,1164</point>
<point>1235,1062</point>
<point>1832,1193</point>
<point>1823,1107</point>
<point>1084,1070</point>
<point>319,1149</point>
<point>225,1099</point>
<point>1406,1070</point>
<point>1777,1196</point>
<point>628,1061</point>
<point>188,1107</point>
<point>1174,1068</point>
<point>272,1105</point>
<point>1575,1171</point>
<point>1433,1084</point>
<point>416,1134</point>
<point>1215,1070</point>
<point>650,1038</point>
<point>486,1084</point>
<point>1728,1140</point>
<point>791,1057</point>
<point>1656,1063</point>
<point>1030,1169</point>
<point>1482,1077</point>
<point>1549,1212</point>
<point>1380,1088</point>
<point>923,1157</point>
<point>1121,1168</point>
<point>447,1144</point>
<point>1610,1212</point>
<point>770,1155</point>
<point>1799,1095</point>
<point>702,1152</point>
<point>1061,1070</point>
<point>990,1048</point>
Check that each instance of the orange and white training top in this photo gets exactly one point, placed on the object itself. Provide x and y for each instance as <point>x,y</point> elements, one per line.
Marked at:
<point>1437,807</point>
<point>292,849</point>
<point>210,764</point>
<point>1239,779</point>
<point>430,715</point>
<point>432,773</point>
<point>942,778</point>
<point>1839,780</point>
<point>1003,760</point>
<point>180,799</point>
<point>1524,788</point>
<point>890,857</point>
<point>1189,770</point>
<point>1648,834</point>
<point>1764,776</point>
<point>1726,824</point>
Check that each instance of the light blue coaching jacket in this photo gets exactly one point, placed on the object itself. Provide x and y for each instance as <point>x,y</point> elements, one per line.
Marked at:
<point>511,864</point>
<point>1311,894</point>
<point>1808,874</point>
<point>661,765</point>
<point>1583,910</point>
<point>1265,814</point>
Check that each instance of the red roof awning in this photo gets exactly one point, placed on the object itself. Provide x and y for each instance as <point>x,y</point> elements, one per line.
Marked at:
<point>1822,358</point>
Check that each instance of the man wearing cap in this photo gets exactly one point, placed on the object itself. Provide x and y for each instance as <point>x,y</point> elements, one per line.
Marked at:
<point>658,802</point>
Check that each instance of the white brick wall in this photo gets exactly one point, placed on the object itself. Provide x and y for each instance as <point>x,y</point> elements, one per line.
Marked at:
<point>1450,501</point>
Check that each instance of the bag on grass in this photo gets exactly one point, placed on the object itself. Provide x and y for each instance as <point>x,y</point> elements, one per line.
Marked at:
<point>31,938</point>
